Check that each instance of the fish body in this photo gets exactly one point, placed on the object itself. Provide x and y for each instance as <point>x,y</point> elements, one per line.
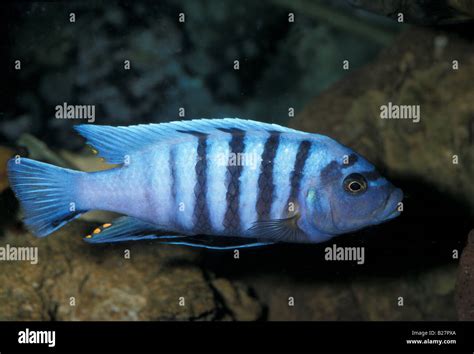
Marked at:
<point>220,177</point>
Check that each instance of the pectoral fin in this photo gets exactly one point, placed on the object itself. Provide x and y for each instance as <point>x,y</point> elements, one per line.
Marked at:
<point>279,230</point>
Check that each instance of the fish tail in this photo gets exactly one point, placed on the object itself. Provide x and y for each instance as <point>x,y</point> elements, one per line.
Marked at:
<point>46,193</point>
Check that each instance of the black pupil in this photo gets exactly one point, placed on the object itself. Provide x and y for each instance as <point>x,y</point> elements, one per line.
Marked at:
<point>355,183</point>
<point>355,186</point>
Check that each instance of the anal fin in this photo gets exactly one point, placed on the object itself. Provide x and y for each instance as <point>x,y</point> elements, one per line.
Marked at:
<point>126,228</point>
<point>131,229</point>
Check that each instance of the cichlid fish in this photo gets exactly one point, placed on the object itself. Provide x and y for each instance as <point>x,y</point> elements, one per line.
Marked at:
<point>219,177</point>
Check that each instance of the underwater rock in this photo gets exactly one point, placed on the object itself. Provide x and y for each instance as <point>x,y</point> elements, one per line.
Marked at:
<point>74,281</point>
<point>465,282</point>
<point>5,154</point>
<point>374,298</point>
<point>236,297</point>
<point>421,11</point>
<point>39,150</point>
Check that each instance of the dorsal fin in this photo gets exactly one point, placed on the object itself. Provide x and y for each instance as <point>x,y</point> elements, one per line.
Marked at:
<point>113,143</point>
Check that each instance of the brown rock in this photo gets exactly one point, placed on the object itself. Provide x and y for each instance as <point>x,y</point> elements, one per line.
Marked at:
<point>425,296</point>
<point>465,282</point>
<point>422,12</point>
<point>77,281</point>
<point>236,297</point>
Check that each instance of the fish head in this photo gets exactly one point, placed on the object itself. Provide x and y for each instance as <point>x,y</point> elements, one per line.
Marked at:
<point>349,195</point>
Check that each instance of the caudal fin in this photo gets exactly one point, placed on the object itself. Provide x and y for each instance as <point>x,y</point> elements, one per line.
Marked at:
<point>47,194</point>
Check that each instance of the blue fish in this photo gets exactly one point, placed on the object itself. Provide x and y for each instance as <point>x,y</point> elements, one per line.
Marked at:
<point>260,182</point>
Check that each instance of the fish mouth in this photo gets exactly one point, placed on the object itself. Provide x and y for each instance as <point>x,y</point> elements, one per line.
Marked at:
<point>390,210</point>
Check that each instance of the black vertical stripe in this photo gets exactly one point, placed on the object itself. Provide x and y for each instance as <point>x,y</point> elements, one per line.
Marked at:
<point>298,168</point>
<point>266,186</point>
<point>232,216</point>
<point>202,222</point>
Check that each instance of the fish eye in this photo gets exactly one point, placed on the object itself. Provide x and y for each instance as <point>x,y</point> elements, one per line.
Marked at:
<point>355,183</point>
